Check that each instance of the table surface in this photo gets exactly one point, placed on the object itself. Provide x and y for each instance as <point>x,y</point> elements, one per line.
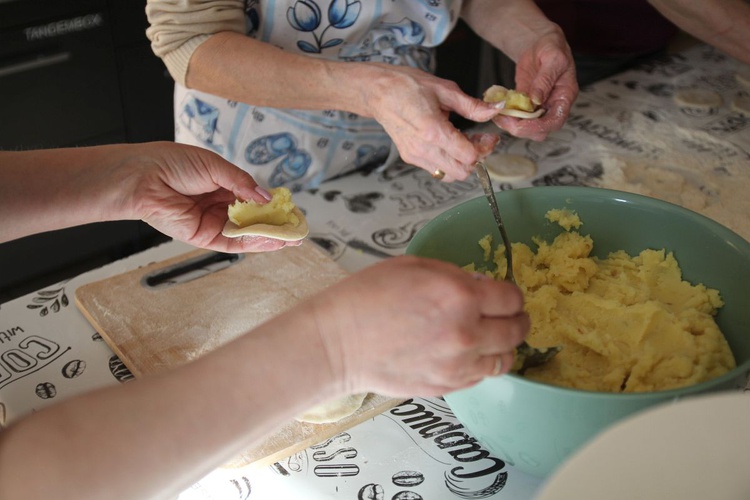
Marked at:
<point>627,133</point>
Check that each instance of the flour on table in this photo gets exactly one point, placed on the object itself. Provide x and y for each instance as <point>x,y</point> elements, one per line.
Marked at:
<point>334,410</point>
<point>690,168</point>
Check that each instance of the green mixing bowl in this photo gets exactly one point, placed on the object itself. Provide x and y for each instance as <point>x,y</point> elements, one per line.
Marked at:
<point>535,426</point>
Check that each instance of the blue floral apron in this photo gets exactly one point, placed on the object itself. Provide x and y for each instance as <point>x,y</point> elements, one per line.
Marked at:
<point>298,148</point>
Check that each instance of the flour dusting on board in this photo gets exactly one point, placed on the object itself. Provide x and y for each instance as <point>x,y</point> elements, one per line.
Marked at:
<point>687,167</point>
<point>156,329</point>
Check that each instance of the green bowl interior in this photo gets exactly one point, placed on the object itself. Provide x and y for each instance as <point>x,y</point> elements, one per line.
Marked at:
<point>707,252</point>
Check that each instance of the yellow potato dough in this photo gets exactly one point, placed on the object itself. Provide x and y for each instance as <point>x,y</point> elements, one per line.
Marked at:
<point>566,218</point>
<point>626,323</point>
<point>277,212</point>
<point>513,99</point>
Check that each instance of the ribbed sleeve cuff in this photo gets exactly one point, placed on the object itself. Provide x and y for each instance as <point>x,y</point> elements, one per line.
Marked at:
<point>177,60</point>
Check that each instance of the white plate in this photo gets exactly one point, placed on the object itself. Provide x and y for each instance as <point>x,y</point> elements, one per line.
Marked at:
<point>698,448</point>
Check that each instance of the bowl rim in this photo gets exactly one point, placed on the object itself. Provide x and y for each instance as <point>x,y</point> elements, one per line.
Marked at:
<point>677,392</point>
<point>620,196</point>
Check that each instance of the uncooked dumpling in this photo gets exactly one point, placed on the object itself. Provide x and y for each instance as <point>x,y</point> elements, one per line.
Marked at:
<point>517,104</point>
<point>334,410</point>
<point>279,219</point>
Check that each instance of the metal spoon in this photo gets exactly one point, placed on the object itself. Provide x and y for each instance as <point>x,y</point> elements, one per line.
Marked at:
<point>526,355</point>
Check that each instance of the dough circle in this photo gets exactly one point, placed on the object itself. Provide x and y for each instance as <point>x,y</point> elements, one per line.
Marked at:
<point>741,104</point>
<point>333,411</point>
<point>510,167</point>
<point>285,232</point>
<point>698,98</point>
<point>525,115</point>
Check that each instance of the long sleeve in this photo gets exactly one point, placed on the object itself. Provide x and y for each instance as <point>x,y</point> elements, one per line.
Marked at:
<point>178,27</point>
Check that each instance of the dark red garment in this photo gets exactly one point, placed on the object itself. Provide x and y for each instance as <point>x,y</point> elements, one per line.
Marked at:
<point>610,27</point>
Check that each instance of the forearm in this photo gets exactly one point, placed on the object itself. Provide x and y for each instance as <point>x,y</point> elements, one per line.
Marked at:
<point>44,190</point>
<point>153,438</point>
<point>510,26</point>
<point>241,68</point>
<point>724,24</point>
<point>203,44</point>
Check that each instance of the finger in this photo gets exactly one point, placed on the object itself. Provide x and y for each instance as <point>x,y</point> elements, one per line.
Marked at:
<point>501,335</point>
<point>440,134</point>
<point>440,165</point>
<point>486,366</point>
<point>457,147</point>
<point>457,172</point>
<point>484,143</point>
<point>469,107</point>
<point>554,67</point>
<point>236,180</point>
<point>534,129</point>
<point>497,298</point>
<point>293,243</point>
<point>253,244</point>
<point>494,366</point>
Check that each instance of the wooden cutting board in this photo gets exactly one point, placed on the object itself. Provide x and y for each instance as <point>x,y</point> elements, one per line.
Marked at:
<point>163,315</point>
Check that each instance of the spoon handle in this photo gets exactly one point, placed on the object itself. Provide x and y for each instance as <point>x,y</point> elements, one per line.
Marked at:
<point>526,356</point>
<point>484,179</point>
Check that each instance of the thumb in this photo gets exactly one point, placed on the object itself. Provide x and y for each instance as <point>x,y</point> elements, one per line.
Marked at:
<point>469,107</point>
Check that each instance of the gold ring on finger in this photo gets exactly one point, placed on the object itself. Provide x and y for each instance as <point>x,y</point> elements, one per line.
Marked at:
<point>438,174</point>
<point>498,367</point>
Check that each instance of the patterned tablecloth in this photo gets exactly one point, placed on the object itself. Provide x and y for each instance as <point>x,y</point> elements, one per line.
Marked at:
<point>628,133</point>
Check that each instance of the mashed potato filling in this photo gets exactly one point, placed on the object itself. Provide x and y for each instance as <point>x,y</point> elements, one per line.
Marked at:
<point>277,212</point>
<point>514,99</point>
<point>626,323</point>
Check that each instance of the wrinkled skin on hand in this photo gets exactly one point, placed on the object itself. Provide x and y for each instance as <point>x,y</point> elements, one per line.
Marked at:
<point>414,108</point>
<point>484,143</point>
<point>546,72</point>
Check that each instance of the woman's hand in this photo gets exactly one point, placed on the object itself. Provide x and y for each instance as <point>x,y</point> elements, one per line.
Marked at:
<point>414,326</point>
<point>413,107</point>
<point>544,63</point>
<point>546,72</point>
<point>184,191</point>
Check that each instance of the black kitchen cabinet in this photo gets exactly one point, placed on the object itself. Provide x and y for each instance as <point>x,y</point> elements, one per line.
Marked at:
<point>77,73</point>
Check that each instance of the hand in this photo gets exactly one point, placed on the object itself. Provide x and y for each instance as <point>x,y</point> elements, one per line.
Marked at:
<point>546,72</point>
<point>414,326</point>
<point>184,191</point>
<point>413,107</point>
